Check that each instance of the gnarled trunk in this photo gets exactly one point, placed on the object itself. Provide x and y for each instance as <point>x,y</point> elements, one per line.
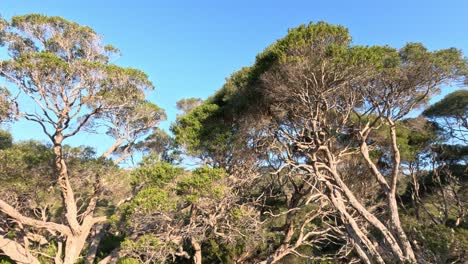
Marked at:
<point>75,243</point>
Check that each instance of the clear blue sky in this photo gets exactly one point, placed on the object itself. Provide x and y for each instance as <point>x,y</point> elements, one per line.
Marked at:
<point>188,48</point>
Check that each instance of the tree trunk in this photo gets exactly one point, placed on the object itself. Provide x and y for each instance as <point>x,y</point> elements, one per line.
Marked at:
<point>93,247</point>
<point>64,183</point>
<point>73,248</point>
<point>58,255</point>
<point>370,218</point>
<point>197,257</point>
<point>79,232</point>
<point>111,150</point>
<point>364,247</point>
<point>390,191</point>
<point>282,250</point>
<point>75,243</point>
<point>392,202</point>
<point>415,190</point>
<point>17,252</point>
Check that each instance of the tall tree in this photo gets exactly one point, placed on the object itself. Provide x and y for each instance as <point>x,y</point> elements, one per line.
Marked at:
<point>311,104</point>
<point>65,69</point>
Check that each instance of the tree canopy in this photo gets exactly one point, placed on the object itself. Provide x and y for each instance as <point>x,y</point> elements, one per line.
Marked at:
<point>312,154</point>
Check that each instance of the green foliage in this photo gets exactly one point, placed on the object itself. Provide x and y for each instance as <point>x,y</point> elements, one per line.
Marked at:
<point>413,137</point>
<point>49,250</point>
<point>152,183</point>
<point>190,128</point>
<point>148,244</point>
<point>448,61</point>
<point>160,146</point>
<point>25,166</point>
<point>5,261</point>
<point>450,153</point>
<point>6,139</point>
<point>319,34</point>
<point>3,27</point>
<point>201,183</point>
<point>128,261</point>
<point>440,244</point>
<point>115,72</point>
<point>187,104</point>
<point>42,60</point>
<point>142,243</point>
<point>154,173</point>
<point>152,199</point>
<point>7,107</point>
<point>452,105</point>
<point>37,20</point>
<point>215,251</point>
<point>228,99</point>
<point>203,133</point>
<point>27,173</point>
